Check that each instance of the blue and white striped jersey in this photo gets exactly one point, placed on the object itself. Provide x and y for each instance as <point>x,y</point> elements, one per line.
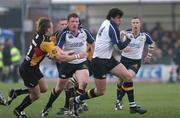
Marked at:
<point>108,36</point>
<point>134,50</point>
<point>67,41</point>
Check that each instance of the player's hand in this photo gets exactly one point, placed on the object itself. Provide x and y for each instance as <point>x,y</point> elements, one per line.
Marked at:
<point>123,35</point>
<point>147,60</point>
<point>82,55</point>
<point>70,52</point>
<point>49,56</point>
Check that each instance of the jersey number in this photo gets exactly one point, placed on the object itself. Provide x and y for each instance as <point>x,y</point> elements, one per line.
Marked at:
<point>100,31</point>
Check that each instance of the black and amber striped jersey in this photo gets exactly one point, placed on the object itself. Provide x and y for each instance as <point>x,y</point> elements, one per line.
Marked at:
<point>40,46</point>
<point>55,36</point>
<point>89,51</point>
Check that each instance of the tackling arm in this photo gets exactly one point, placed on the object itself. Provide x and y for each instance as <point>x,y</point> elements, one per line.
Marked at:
<point>149,52</point>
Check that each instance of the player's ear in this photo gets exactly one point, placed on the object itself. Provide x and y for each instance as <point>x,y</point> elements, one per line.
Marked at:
<point>80,23</point>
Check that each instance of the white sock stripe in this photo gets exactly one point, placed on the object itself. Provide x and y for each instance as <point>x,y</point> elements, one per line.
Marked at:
<point>131,103</point>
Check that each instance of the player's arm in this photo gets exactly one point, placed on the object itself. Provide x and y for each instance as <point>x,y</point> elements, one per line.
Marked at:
<point>115,38</point>
<point>58,54</point>
<point>90,40</point>
<point>150,51</point>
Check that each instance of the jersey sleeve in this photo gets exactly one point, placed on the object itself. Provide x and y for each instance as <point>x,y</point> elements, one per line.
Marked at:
<point>61,39</point>
<point>53,39</point>
<point>90,38</point>
<point>148,39</point>
<point>115,38</point>
<point>50,48</point>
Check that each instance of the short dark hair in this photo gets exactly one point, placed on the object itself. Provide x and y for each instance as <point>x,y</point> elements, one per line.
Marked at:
<point>114,12</point>
<point>42,25</point>
<point>136,17</point>
<point>62,19</point>
<point>73,15</point>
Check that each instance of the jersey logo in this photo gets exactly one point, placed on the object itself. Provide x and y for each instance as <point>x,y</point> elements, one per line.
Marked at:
<point>54,51</point>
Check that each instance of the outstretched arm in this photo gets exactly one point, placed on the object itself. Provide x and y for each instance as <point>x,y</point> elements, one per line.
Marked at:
<point>149,54</point>
<point>63,56</point>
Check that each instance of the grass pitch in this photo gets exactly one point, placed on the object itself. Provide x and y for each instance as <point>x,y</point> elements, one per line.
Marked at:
<point>161,101</point>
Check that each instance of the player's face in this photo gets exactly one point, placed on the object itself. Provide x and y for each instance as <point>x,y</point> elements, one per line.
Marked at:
<point>117,20</point>
<point>62,24</point>
<point>50,29</point>
<point>135,24</point>
<point>73,24</point>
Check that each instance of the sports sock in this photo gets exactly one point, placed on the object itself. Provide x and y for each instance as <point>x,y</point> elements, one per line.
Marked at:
<point>86,95</point>
<point>52,98</point>
<point>21,91</point>
<point>128,86</point>
<point>79,92</point>
<point>120,92</point>
<point>67,96</point>
<point>25,103</point>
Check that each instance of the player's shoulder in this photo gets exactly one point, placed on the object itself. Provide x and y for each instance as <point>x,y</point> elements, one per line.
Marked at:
<point>145,34</point>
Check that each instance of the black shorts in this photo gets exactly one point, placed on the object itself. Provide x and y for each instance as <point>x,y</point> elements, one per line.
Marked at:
<point>66,70</point>
<point>101,67</point>
<point>133,64</point>
<point>30,75</point>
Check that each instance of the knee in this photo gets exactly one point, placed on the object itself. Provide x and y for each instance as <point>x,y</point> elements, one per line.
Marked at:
<point>100,92</point>
<point>43,90</point>
<point>129,76</point>
<point>35,97</point>
<point>83,84</point>
<point>58,90</point>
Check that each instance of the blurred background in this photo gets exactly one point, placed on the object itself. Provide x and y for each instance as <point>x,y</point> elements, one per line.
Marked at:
<point>161,19</point>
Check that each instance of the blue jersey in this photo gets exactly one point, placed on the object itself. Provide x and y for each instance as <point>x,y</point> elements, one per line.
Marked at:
<point>134,50</point>
<point>108,36</point>
<point>67,41</point>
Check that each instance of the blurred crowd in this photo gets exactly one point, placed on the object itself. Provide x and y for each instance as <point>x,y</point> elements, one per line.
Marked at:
<point>167,49</point>
<point>9,61</point>
<point>167,44</point>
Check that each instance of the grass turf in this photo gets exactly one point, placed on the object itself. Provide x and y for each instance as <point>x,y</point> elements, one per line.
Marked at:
<point>161,101</point>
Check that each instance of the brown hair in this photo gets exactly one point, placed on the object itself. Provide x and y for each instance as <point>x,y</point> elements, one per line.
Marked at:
<point>42,25</point>
<point>73,15</point>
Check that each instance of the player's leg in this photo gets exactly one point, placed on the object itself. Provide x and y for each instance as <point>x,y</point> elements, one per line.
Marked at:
<point>121,72</point>
<point>82,77</point>
<point>119,96</point>
<point>14,93</point>
<point>54,95</point>
<point>95,92</point>
<point>99,69</point>
<point>34,94</point>
<point>128,75</point>
<point>69,87</point>
<point>2,101</point>
<point>29,76</point>
<point>128,87</point>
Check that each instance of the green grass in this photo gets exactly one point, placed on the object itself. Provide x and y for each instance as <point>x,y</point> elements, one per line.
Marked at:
<point>161,101</point>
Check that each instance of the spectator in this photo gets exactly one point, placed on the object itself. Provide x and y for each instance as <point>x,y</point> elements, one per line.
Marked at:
<point>7,60</point>
<point>1,62</point>
<point>176,59</point>
<point>15,59</point>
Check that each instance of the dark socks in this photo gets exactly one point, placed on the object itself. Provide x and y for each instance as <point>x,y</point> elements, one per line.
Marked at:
<point>25,103</point>
<point>87,95</point>
<point>128,86</point>
<point>120,92</point>
<point>67,96</point>
<point>21,91</point>
<point>52,98</point>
